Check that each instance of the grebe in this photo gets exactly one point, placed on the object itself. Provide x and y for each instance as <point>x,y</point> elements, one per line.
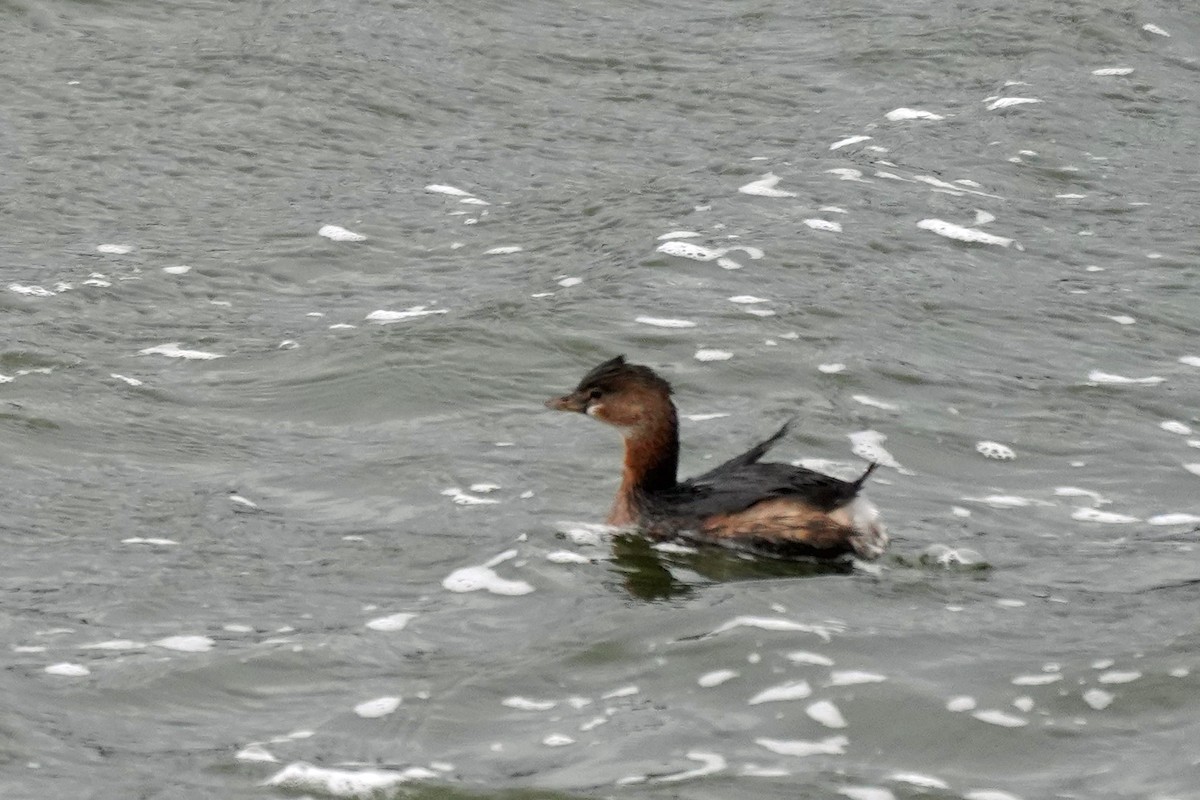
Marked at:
<point>744,503</point>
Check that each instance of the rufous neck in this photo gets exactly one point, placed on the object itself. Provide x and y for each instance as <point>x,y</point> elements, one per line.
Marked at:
<point>652,454</point>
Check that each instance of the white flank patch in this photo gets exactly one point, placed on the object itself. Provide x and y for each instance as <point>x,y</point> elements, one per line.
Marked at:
<point>186,644</point>
<point>824,225</point>
<point>838,145</point>
<point>379,707</point>
<point>1096,376</point>
<point>337,233</point>
<point>901,114</point>
<point>995,450</point>
<point>1009,102</point>
<point>660,322</point>
<point>503,251</point>
<point>688,250</point>
<point>384,317</point>
<point>392,623</point>
<point>826,713</point>
<point>765,187</point>
<point>713,355</point>
<point>959,233</point>
<point>173,350</point>
<point>716,678</point>
<point>441,188</point>
<point>792,690</point>
<point>114,249</point>
<point>66,670</point>
<point>1092,515</point>
<point>994,716</point>
<point>1113,71</point>
<point>833,746</point>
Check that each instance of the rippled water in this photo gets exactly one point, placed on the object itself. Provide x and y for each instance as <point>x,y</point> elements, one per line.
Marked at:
<point>285,286</point>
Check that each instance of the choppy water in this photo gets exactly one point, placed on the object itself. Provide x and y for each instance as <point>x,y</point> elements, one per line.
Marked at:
<point>283,513</point>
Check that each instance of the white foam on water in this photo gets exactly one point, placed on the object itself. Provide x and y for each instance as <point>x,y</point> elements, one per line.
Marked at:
<point>689,250</point>
<point>994,716</point>
<point>847,174</point>
<point>391,623</point>
<point>379,707</point>
<point>748,299</point>
<point>853,677</point>
<point>1112,71</point>
<point>849,140</point>
<point>1150,27</point>
<point>594,722</point>
<point>474,201</point>
<point>713,355</point>
<point>826,713</point>
<point>833,746</point>
<point>765,187</point>
<point>959,511</point>
<point>32,291</point>
<point>1103,663</point>
<point>256,753</point>
<point>1098,698</point>
<point>237,499</point>
<point>441,188</point>
<point>25,648</point>
<point>463,499</point>
<point>772,624</point>
<point>1173,519</point>
<point>96,279</point>
<point>710,763</point>
<point>661,322</point>
<point>567,557</point>
<point>173,350</point>
<point>728,263</point>
<point>792,690</point>
<point>833,210</point>
<point>761,312</point>
<point>1037,679</point>
<point>962,234</point>
<point>474,579</point>
<point>1108,517</point>
<point>1192,468</point>
<point>824,225</point>
<point>989,794</point>
<point>868,444</point>
<point>983,217</point>
<point>337,233</point>
<point>557,740</point>
<point>341,326</point>
<point>623,691</point>
<point>1174,426</point>
<point>1191,361</point>
<point>1121,319</point>
<point>805,657</point>
<point>385,317</point>
<point>570,281</point>
<point>504,250</point>
<point>67,670</point>
<point>866,793</point>
<point>705,417</point>
<point>917,779</point>
<point>902,114</point>
<point>356,784</point>
<point>756,771</point>
<point>1075,491</point>
<point>115,644</point>
<point>527,704</point>
<point>1010,603</point>
<point>1009,102</point>
<point>867,400</point>
<point>1001,452</point>
<point>1023,703</point>
<point>585,533</point>
<point>678,235</point>
<point>1097,376</point>
<point>1118,676</point>
<point>186,644</point>
<point>960,704</point>
<point>114,249</point>
<point>1073,196</point>
<point>1179,672</point>
<point>716,677</point>
<point>831,369</point>
<point>149,540</point>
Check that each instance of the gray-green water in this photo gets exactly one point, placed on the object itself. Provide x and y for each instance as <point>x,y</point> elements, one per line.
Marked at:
<point>140,138</point>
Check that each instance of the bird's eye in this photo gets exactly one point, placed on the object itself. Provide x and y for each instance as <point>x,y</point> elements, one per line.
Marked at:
<point>595,394</point>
